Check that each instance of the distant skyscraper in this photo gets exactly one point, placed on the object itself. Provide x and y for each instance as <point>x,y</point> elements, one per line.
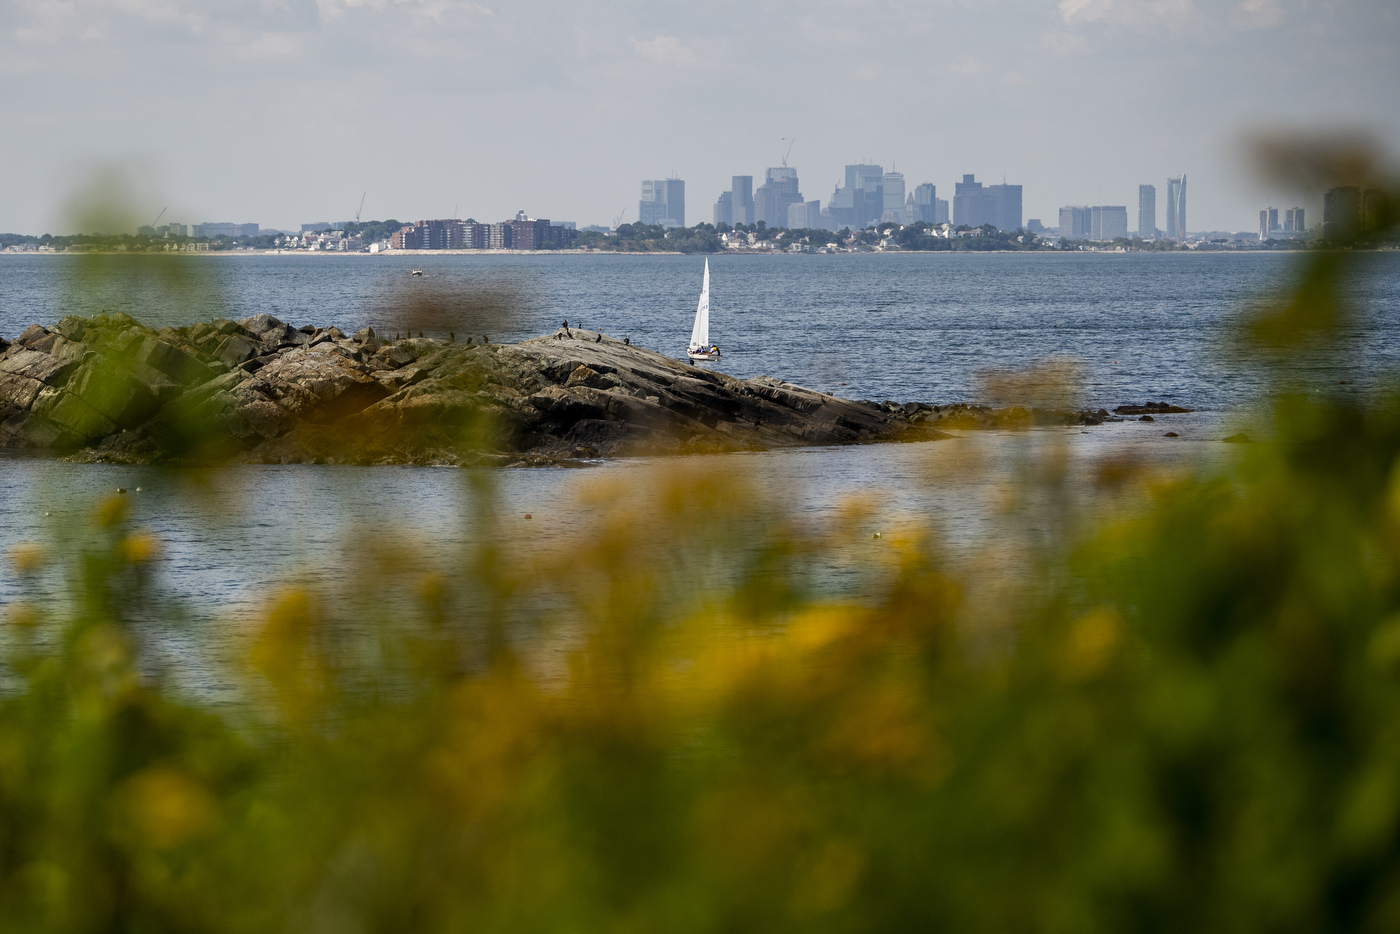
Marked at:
<point>862,200</point>
<point>1075,221</point>
<point>864,176</point>
<point>1293,221</point>
<point>1147,211</point>
<point>1176,208</point>
<point>724,208</point>
<point>846,207</point>
<point>805,215</point>
<point>925,204</point>
<point>1108,222</point>
<point>867,183</point>
<point>1263,224</point>
<point>673,193</point>
<point>998,205</point>
<point>663,202</point>
<point>966,200</point>
<point>1273,221</point>
<point>778,191</point>
<point>652,208</point>
<point>741,196</point>
<point>1006,206</point>
<point>892,208</point>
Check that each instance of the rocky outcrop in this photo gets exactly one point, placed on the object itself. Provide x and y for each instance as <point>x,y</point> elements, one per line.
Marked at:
<point>1151,408</point>
<point>108,388</point>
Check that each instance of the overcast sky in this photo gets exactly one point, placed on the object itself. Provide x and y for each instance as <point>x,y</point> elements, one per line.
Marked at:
<point>281,112</point>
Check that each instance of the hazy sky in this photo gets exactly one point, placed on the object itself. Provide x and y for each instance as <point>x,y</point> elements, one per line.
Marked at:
<point>283,111</point>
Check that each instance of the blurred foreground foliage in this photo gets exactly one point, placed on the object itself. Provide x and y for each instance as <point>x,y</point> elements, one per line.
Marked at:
<point>1187,721</point>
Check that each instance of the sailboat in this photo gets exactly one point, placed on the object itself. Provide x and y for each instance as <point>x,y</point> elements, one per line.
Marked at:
<point>700,347</point>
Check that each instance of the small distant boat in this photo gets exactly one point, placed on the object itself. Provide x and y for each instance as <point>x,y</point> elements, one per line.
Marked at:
<point>416,272</point>
<point>700,347</point>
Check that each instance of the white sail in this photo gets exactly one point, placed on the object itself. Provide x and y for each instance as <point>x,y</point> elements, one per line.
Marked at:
<point>700,334</point>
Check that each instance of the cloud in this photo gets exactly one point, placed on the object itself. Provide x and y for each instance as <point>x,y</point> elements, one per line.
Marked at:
<point>1136,14</point>
<point>420,12</point>
<point>1257,14</point>
<point>155,11</point>
<point>48,22</point>
<point>665,50</point>
<point>1175,16</point>
<point>270,45</point>
<point>1061,42</point>
<point>51,21</point>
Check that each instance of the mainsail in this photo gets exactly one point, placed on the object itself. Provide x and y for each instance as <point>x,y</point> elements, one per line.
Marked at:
<point>700,334</point>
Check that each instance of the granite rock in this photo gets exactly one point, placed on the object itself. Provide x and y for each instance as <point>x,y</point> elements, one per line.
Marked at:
<point>107,388</point>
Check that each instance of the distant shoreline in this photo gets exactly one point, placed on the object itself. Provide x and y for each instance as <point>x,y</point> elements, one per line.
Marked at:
<point>410,254</point>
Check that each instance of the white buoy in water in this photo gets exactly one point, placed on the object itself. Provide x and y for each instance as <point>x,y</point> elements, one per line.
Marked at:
<point>138,489</point>
<point>878,535</point>
<point>121,489</point>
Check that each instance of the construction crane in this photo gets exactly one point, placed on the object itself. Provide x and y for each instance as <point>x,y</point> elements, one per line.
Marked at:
<point>159,216</point>
<point>360,208</point>
<point>789,151</point>
<point>617,221</point>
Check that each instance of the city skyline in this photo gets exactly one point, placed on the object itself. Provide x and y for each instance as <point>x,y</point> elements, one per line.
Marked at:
<point>321,97</point>
<point>880,197</point>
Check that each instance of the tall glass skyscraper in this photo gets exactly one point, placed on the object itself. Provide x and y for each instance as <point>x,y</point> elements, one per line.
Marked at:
<point>893,202</point>
<point>1176,207</point>
<point>775,195</point>
<point>1147,211</point>
<point>663,202</point>
<point>741,199</point>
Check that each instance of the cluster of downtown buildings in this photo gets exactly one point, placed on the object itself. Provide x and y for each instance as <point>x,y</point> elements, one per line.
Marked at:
<point>1110,221</point>
<point>871,195</point>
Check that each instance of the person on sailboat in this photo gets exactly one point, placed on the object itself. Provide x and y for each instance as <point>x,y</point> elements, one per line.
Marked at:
<point>700,346</point>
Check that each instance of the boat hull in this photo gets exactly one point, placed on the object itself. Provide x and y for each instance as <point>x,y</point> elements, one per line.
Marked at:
<point>702,356</point>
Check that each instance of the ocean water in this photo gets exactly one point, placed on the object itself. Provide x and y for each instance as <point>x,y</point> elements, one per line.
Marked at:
<point>359,539</point>
<point>925,328</point>
<point>866,326</point>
